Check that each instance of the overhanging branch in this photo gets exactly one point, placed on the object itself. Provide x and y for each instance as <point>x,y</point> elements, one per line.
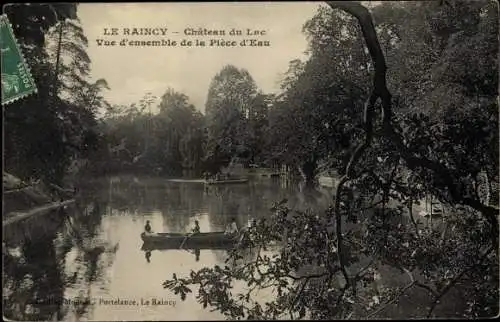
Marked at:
<point>381,91</point>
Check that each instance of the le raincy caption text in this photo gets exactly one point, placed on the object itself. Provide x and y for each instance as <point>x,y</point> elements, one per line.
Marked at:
<point>187,37</point>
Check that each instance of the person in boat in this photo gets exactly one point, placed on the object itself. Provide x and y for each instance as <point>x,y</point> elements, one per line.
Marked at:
<point>248,225</point>
<point>196,228</point>
<point>252,222</point>
<point>147,227</point>
<point>231,228</point>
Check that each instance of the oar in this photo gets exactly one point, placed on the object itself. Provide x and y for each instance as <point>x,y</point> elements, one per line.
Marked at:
<point>241,239</point>
<point>185,238</point>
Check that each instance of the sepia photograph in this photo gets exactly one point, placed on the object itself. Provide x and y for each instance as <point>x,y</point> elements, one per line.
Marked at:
<point>196,161</point>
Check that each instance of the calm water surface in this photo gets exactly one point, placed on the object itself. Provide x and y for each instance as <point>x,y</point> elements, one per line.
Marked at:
<point>92,253</point>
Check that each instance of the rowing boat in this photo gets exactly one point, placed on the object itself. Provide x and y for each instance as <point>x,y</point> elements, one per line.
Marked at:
<point>174,240</point>
<point>149,246</point>
<point>210,181</point>
<point>187,180</point>
<point>227,181</point>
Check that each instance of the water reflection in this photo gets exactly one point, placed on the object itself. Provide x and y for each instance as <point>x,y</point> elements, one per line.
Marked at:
<point>69,265</point>
<point>196,252</point>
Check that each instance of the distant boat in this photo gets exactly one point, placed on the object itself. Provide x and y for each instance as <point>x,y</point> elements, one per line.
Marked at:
<point>148,246</point>
<point>199,240</point>
<point>226,181</point>
<point>209,181</point>
<point>188,180</point>
<point>270,174</point>
<point>326,181</point>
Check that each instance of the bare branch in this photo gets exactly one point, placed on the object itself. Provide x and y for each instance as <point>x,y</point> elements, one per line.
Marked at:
<point>302,287</point>
<point>391,301</point>
<point>338,230</point>
<point>419,284</point>
<point>308,276</point>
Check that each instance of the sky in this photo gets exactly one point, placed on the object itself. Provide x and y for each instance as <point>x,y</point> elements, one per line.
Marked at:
<point>133,71</point>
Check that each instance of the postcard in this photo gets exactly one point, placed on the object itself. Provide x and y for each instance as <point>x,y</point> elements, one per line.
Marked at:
<point>185,161</point>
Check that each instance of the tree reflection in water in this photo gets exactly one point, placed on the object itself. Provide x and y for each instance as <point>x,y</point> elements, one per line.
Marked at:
<point>33,285</point>
<point>195,252</point>
<point>36,274</point>
<point>63,254</point>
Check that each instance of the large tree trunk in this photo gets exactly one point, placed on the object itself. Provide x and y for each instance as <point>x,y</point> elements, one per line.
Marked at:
<point>58,57</point>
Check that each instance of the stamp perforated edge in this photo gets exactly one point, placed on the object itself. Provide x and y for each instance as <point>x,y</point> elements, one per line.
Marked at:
<point>5,20</point>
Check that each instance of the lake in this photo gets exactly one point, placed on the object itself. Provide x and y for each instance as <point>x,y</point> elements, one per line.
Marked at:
<point>86,263</point>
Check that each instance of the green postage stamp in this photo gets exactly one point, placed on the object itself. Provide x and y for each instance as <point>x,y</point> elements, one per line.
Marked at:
<point>17,81</point>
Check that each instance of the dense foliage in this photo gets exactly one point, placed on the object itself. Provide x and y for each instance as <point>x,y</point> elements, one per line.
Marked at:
<point>170,134</point>
<point>46,132</point>
<point>427,127</point>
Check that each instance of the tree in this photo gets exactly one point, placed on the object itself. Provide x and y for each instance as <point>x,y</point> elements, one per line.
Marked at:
<point>229,104</point>
<point>321,101</point>
<point>181,129</point>
<point>131,141</point>
<point>42,124</point>
<point>258,127</point>
<point>67,48</point>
